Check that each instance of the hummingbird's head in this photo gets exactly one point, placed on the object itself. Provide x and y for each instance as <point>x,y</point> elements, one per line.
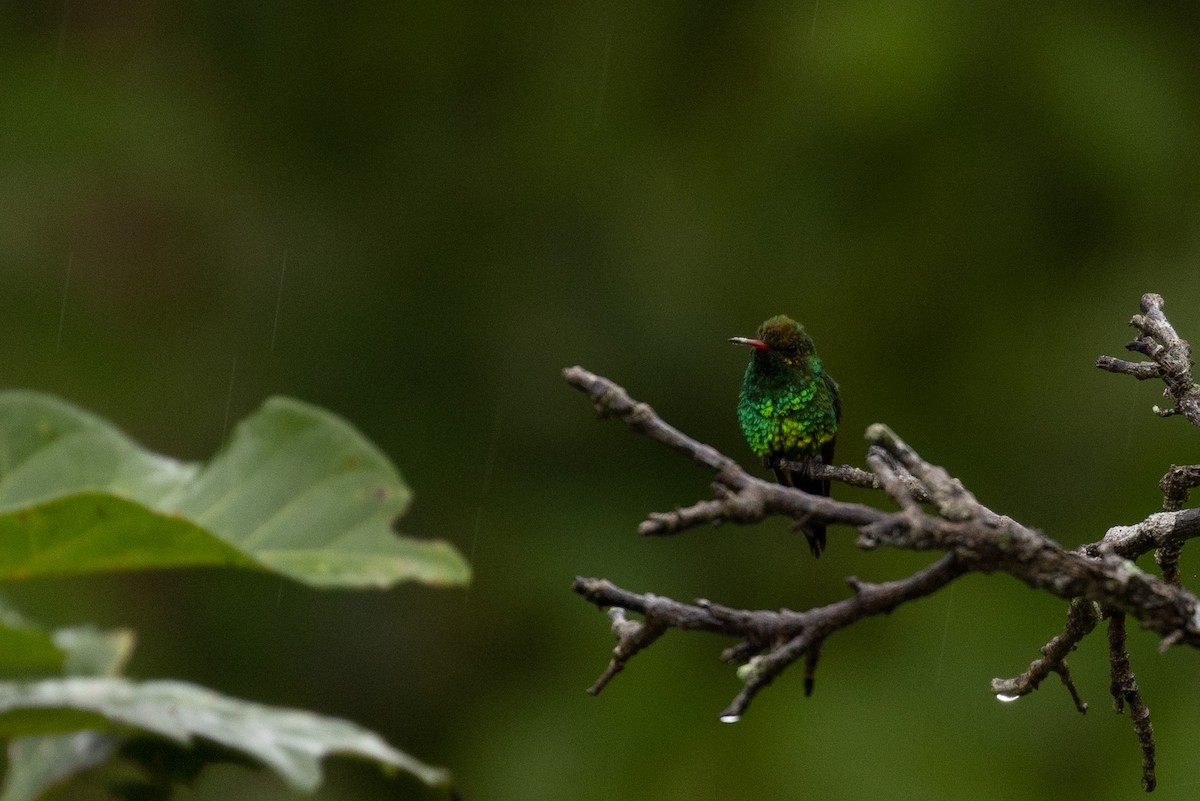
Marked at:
<point>781,342</point>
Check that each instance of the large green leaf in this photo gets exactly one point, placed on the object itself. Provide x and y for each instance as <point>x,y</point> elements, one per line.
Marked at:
<point>38,762</point>
<point>289,741</point>
<point>296,490</point>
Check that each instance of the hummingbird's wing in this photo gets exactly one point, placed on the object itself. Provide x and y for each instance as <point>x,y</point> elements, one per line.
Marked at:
<point>836,395</point>
<point>827,448</point>
<point>815,533</point>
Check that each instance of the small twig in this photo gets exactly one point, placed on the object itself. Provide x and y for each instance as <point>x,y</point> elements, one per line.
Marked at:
<point>1082,617</point>
<point>770,640</point>
<point>868,600</point>
<point>946,493</point>
<point>1167,558</point>
<point>1170,359</point>
<point>632,637</point>
<point>742,498</point>
<point>857,477</point>
<point>1124,691</point>
<point>1159,530</point>
<point>612,399</point>
<point>1177,483</point>
<point>1142,371</point>
<point>888,474</point>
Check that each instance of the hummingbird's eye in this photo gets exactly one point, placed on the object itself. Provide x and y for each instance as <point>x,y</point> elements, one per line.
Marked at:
<point>791,351</point>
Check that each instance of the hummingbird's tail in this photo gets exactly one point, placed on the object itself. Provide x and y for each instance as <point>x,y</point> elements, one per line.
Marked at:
<point>813,532</point>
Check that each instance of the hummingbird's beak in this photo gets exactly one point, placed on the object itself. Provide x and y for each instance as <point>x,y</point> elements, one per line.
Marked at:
<point>757,344</point>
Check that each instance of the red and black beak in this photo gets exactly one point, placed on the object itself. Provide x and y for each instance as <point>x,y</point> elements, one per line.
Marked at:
<point>757,344</point>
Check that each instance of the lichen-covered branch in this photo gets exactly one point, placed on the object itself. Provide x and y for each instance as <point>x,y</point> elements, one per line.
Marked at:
<point>1170,358</point>
<point>982,540</point>
<point>936,513</point>
<point>1082,617</point>
<point>1177,484</point>
<point>1124,691</point>
<point>770,641</point>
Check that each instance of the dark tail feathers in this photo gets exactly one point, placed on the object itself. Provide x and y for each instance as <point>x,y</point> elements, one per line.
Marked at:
<point>813,532</point>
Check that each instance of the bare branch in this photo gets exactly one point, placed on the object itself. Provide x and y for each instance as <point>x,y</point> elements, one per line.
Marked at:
<point>1177,483</point>
<point>982,540</point>
<point>1139,370</point>
<point>770,640</point>
<point>1124,691</point>
<point>632,637</point>
<point>935,513</point>
<point>612,400</point>
<point>1082,617</point>
<point>1170,359</point>
<point>1159,530</point>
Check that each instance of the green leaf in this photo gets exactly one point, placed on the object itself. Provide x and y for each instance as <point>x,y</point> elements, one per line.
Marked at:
<point>297,491</point>
<point>37,763</point>
<point>291,742</point>
<point>28,650</point>
<point>92,652</point>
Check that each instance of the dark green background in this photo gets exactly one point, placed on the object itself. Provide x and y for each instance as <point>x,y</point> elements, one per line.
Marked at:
<point>416,214</point>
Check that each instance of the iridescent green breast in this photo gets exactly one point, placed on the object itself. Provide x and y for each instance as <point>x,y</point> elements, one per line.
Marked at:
<point>786,420</point>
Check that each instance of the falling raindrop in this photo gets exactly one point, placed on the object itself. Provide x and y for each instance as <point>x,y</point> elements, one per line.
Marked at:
<point>229,400</point>
<point>62,40</point>
<point>730,718</point>
<point>1008,699</point>
<point>62,312</point>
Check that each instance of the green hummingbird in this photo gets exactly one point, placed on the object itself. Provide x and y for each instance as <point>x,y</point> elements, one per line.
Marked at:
<point>789,408</point>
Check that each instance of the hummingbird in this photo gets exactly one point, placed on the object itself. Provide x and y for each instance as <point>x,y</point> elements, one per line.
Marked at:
<point>789,408</point>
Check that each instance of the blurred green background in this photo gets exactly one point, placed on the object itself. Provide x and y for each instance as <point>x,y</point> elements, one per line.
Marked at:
<point>416,214</point>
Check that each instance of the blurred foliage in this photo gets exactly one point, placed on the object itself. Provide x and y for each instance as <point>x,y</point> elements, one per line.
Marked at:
<point>295,491</point>
<point>416,213</point>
